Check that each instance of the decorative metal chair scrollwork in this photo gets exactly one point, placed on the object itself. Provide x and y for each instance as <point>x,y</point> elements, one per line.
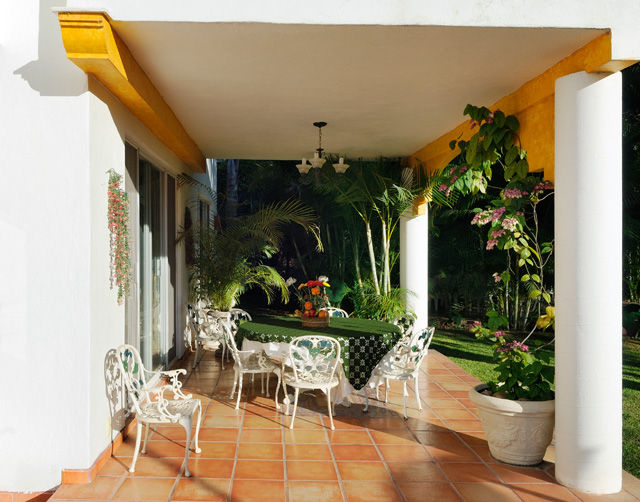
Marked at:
<point>239,315</point>
<point>401,363</point>
<point>250,362</point>
<point>405,322</point>
<point>314,360</point>
<point>335,312</point>
<point>152,406</point>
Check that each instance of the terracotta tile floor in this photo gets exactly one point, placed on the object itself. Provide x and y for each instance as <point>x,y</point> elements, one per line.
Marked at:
<point>438,454</point>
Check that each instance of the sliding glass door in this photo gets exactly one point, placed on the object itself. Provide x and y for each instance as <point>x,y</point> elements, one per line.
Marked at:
<point>153,298</point>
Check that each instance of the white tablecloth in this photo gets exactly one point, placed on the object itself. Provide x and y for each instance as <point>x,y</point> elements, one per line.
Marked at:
<point>280,350</point>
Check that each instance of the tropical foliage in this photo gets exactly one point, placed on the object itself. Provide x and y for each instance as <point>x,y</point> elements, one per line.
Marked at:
<point>228,261</point>
<point>511,214</point>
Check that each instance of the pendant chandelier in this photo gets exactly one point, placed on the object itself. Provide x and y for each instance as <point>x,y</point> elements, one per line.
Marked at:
<point>318,160</point>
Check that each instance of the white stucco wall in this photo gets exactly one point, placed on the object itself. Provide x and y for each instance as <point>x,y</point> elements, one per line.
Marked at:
<point>58,315</point>
<point>45,254</point>
<point>106,151</point>
<point>619,15</point>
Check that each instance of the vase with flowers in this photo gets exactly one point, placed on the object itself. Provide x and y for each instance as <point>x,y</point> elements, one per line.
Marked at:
<point>313,298</point>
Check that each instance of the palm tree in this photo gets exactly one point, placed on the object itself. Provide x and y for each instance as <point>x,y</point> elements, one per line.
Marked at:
<point>229,261</point>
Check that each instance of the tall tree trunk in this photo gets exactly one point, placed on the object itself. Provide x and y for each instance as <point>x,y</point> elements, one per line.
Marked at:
<point>300,261</point>
<point>372,258</point>
<point>386,281</point>
<point>231,205</point>
<point>356,261</point>
<point>330,251</point>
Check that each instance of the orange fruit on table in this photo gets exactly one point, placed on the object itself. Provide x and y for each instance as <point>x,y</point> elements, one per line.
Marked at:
<point>308,305</point>
<point>323,313</point>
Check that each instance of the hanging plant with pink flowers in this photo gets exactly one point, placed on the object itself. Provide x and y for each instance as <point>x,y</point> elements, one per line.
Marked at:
<point>119,249</point>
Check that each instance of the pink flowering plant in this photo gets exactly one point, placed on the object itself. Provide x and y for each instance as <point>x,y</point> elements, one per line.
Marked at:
<point>119,249</point>
<point>523,371</point>
<point>511,218</point>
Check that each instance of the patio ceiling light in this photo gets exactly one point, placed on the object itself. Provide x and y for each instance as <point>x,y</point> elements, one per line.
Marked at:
<point>318,160</point>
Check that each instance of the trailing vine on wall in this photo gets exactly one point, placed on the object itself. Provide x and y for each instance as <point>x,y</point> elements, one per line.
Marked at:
<point>119,249</point>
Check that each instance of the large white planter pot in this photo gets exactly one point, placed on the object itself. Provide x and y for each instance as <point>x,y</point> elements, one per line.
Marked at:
<point>518,432</point>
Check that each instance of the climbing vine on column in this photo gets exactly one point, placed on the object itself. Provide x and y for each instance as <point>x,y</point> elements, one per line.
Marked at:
<point>119,249</point>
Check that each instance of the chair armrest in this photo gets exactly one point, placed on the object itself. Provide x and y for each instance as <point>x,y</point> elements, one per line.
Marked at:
<point>158,405</point>
<point>174,384</point>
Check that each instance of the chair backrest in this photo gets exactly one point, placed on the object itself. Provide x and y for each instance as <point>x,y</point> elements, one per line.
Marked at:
<point>230,340</point>
<point>335,312</point>
<point>414,351</point>
<point>133,374</point>
<point>240,315</point>
<point>314,358</point>
<point>405,322</point>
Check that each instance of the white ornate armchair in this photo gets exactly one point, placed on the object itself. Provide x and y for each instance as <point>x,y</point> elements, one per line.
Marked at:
<point>401,363</point>
<point>250,362</point>
<point>152,406</point>
<point>207,332</point>
<point>314,360</point>
<point>335,312</point>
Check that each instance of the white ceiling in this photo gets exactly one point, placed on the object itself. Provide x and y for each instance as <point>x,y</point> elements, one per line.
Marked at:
<point>253,90</point>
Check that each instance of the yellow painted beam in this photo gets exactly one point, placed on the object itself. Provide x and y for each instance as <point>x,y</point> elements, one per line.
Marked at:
<point>93,45</point>
<point>533,104</point>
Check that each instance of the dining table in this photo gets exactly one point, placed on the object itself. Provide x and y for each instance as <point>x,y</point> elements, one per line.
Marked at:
<point>363,342</point>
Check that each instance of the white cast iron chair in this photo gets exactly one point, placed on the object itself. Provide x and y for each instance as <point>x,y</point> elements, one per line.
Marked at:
<point>335,312</point>
<point>314,360</point>
<point>250,362</point>
<point>151,405</point>
<point>207,333</point>
<point>401,363</point>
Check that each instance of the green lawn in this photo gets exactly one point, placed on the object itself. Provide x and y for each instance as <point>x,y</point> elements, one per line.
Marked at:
<point>474,356</point>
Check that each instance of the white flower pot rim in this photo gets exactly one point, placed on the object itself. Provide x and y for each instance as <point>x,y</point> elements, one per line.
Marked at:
<point>510,405</point>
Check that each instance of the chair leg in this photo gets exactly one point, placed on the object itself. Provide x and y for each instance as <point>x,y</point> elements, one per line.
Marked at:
<point>186,423</point>
<point>146,438</point>
<point>135,453</point>
<point>278,388</point>
<point>378,391</point>
<point>286,400</point>
<point>295,407</point>
<point>386,390</point>
<point>197,446</point>
<point>240,375</point>
<point>195,359</point>
<point>235,382</point>
<point>366,398</point>
<point>404,398</point>
<point>417,390</point>
<point>262,383</point>
<point>224,349</point>
<point>268,375</point>
<point>328,392</point>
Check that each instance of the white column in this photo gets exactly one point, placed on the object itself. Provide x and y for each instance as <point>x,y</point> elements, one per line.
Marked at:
<point>414,263</point>
<point>588,281</point>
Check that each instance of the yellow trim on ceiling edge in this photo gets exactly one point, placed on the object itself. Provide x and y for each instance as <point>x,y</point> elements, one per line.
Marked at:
<point>94,46</point>
<point>534,105</point>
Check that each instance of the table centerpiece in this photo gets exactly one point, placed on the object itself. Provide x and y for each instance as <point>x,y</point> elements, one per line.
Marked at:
<point>313,298</point>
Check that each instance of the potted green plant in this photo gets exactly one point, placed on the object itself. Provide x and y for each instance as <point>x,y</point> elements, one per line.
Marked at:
<point>517,410</point>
